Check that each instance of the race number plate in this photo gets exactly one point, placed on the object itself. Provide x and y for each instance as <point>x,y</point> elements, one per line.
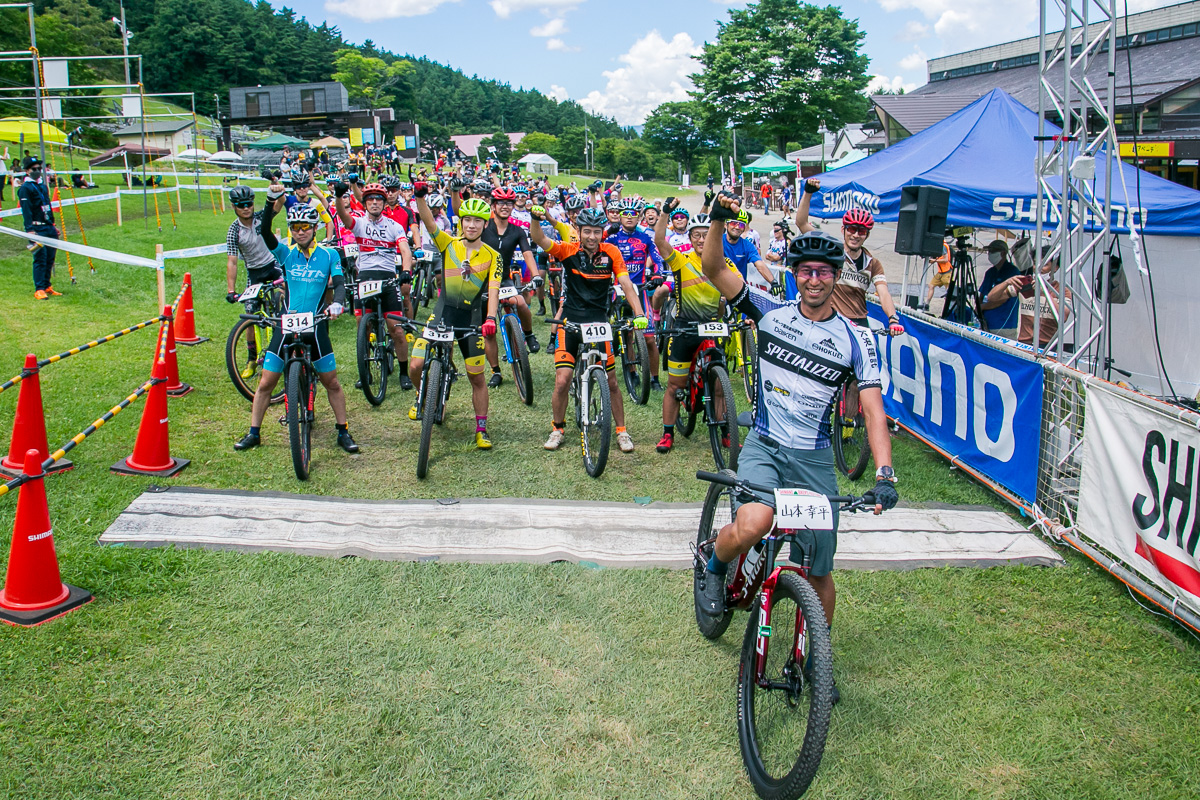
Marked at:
<point>251,293</point>
<point>797,509</point>
<point>508,292</point>
<point>399,260</point>
<point>351,250</point>
<point>596,332</point>
<point>297,323</point>
<point>437,335</point>
<point>369,289</point>
<point>715,329</point>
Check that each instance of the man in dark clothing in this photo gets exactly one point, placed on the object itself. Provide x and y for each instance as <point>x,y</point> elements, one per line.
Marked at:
<point>39,219</point>
<point>998,293</point>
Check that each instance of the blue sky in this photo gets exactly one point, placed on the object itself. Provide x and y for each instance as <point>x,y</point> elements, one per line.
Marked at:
<point>622,58</point>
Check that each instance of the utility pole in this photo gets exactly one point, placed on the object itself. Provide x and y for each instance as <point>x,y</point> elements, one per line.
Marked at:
<point>37,91</point>
<point>125,42</point>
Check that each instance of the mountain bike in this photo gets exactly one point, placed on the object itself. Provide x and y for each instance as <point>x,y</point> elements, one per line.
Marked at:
<point>424,282</point>
<point>437,376</point>
<point>630,348</point>
<point>374,351</point>
<point>741,350</point>
<point>848,427</point>
<point>250,336</point>
<point>709,392</point>
<point>589,388</point>
<point>299,380</point>
<point>512,338</point>
<point>785,674</point>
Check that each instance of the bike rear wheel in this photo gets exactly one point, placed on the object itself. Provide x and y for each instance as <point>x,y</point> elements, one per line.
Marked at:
<point>716,514</point>
<point>850,447</point>
<point>635,366</point>
<point>597,428</point>
<point>299,417</point>
<point>431,389</point>
<point>372,359</point>
<point>797,701</point>
<point>720,427</point>
<point>246,338</point>
<point>522,372</point>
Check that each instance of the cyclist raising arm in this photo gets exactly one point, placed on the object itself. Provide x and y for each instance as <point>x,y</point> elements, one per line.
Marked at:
<point>308,268</point>
<point>806,350</point>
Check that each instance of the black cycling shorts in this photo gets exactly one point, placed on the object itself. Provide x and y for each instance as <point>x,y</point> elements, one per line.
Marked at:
<point>390,299</point>
<point>681,351</point>
<point>322,353</point>
<point>267,274</point>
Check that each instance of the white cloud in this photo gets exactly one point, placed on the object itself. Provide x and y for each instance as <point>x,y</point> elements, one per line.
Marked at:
<point>914,60</point>
<point>371,10</point>
<point>559,93</point>
<point>656,71</point>
<point>505,8</point>
<point>554,27</point>
<point>912,31</point>
<point>884,83</point>
<point>559,45</point>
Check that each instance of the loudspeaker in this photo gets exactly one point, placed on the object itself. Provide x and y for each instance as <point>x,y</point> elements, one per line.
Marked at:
<point>922,224</point>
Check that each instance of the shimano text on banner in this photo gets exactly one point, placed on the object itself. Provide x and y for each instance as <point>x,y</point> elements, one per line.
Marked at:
<point>981,405</point>
<point>1138,491</point>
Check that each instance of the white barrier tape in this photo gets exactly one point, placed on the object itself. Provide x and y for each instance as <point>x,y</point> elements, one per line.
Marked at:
<point>85,250</point>
<point>58,205</point>
<point>198,252</point>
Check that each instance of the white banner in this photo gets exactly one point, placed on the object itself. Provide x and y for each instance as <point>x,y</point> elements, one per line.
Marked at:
<point>1139,491</point>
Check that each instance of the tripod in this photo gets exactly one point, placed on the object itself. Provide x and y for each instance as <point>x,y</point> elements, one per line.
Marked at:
<point>962,295</point>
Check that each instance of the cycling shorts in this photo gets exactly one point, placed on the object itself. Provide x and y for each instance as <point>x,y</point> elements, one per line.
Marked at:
<point>322,351</point>
<point>767,463</point>
<point>391,300</point>
<point>568,343</point>
<point>471,347</point>
<point>681,351</point>
<point>268,274</point>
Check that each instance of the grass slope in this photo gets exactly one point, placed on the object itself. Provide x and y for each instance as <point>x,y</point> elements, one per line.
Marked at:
<point>229,675</point>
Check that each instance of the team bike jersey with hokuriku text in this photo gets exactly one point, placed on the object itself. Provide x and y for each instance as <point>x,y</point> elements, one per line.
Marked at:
<point>801,365</point>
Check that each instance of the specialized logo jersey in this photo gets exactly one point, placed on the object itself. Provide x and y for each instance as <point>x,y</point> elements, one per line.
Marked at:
<point>307,274</point>
<point>377,242</point>
<point>466,279</point>
<point>588,279</point>
<point>801,365</point>
<point>636,248</point>
<point>695,297</point>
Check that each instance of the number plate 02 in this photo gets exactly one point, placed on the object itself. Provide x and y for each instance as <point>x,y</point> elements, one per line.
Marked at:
<point>507,292</point>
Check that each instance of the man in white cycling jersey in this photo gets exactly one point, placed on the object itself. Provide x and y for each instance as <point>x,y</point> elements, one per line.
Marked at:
<point>806,351</point>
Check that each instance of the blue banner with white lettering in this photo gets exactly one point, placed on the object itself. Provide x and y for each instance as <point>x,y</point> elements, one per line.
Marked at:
<point>979,404</point>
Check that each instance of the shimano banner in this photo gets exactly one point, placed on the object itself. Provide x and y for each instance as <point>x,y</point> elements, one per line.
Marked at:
<point>979,404</point>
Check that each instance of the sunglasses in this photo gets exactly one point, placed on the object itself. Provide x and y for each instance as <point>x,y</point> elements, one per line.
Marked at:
<point>302,226</point>
<point>243,205</point>
<point>630,214</point>
<point>858,230</point>
<point>805,273</point>
<point>735,224</point>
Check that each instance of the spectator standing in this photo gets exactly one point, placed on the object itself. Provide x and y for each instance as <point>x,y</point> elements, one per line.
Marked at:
<point>38,217</point>
<point>1050,310</point>
<point>765,191</point>
<point>998,292</point>
<point>3,177</point>
<point>943,267</point>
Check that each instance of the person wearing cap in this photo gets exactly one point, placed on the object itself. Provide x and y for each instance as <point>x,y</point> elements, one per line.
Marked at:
<point>999,291</point>
<point>38,217</point>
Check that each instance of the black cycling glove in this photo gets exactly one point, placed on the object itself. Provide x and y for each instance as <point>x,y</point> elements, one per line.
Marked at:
<point>232,297</point>
<point>719,211</point>
<point>886,494</point>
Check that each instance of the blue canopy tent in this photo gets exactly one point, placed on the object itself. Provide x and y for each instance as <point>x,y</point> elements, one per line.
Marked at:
<point>985,154</point>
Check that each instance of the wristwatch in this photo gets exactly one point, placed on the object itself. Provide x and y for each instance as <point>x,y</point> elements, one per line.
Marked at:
<point>885,474</point>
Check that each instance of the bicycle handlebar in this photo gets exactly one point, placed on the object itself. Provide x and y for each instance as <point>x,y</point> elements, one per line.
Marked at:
<point>320,316</point>
<point>847,502</point>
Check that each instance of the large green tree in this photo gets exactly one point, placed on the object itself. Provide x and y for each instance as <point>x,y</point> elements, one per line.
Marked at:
<point>372,81</point>
<point>682,131</point>
<point>536,143</point>
<point>501,142</point>
<point>780,67</point>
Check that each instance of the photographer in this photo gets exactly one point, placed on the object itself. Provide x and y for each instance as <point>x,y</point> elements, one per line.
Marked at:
<point>998,293</point>
<point>1051,310</point>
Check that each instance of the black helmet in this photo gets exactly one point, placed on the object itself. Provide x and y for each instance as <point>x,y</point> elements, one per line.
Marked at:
<point>591,218</point>
<point>241,194</point>
<point>816,246</point>
<point>30,162</point>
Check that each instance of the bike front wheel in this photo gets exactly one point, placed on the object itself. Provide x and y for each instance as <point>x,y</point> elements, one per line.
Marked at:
<point>299,417</point>
<point>749,339</point>
<point>722,427</point>
<point>794,699</point>
<point>596,421</point>
<point>372,357</point>
<point>522,372</point>
<point>851,449</point>
<point>635,366</point>
<point>431,394</point>
<point>244,351</point>
<point>716,514</point>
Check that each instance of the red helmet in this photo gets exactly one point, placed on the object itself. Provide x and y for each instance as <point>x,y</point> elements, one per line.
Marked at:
<point>503,193</point>
<point>859,216</point>
<point>374,188</point>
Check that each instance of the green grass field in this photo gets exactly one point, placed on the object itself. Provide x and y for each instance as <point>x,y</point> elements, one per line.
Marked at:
<point>201,674</point>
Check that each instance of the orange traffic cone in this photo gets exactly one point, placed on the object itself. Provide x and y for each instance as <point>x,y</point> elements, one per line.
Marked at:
<point>175,387</point>
<point>187,316</point>
<point>29,424</point>
<point>152,450</point>
<point>33,590</point>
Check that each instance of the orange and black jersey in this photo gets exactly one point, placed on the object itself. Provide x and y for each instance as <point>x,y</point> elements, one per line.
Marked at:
<point>587,280</point>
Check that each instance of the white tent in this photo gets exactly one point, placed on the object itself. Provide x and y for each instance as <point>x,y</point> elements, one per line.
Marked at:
<point>539,162</point>
<point>191,154</point>
<point>227,156</point>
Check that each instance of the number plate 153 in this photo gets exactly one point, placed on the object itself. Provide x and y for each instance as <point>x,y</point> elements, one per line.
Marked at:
<point>716,329</point>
